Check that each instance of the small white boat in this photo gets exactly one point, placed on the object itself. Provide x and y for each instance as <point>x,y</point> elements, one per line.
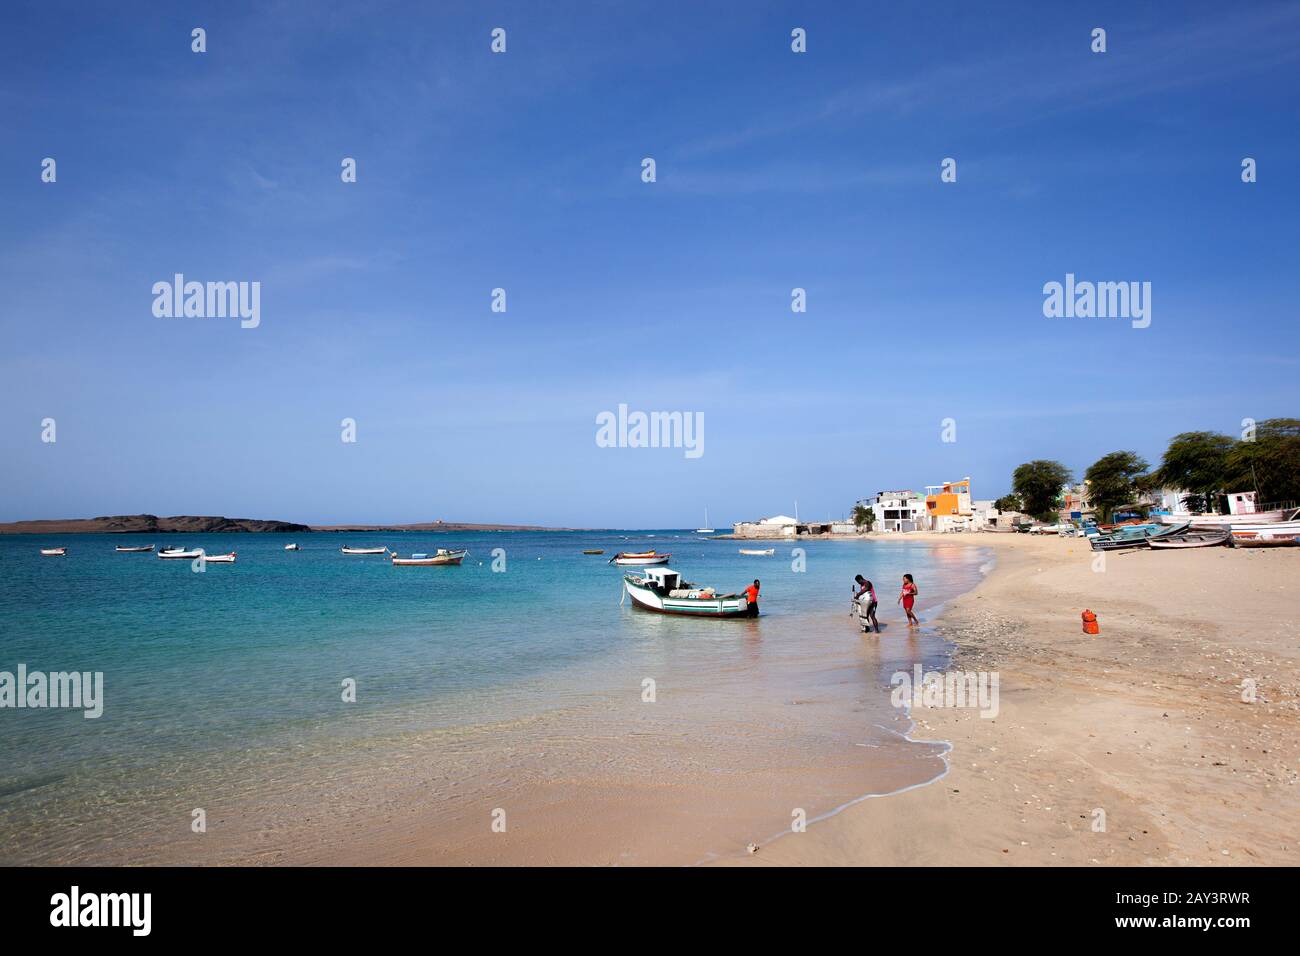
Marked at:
<point>219,558</point>
<point>141,549</point>
<point>292,547</point>
<point>758,551</point>
<point>54,552</point>
<point>1254,534</point>
<point>663,590</point>
<point>1192,539</point>
<point>706,529</point>
<point>639,558</point>
<point>346,550</point>
<point>442,556</point>
<point>179,554</point>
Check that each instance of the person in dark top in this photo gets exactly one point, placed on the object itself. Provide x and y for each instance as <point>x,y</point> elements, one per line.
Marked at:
<point>867,592</point>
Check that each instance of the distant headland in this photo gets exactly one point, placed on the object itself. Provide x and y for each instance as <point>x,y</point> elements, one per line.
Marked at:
<point>192,524</point>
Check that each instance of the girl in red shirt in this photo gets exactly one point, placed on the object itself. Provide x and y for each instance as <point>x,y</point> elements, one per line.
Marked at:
<point>908,597</point>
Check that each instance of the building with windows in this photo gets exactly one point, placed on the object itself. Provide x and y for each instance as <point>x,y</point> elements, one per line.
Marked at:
<point>897,511</point>
<point>948,506</point>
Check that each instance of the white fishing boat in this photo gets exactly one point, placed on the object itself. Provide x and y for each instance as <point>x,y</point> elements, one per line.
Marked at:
<point>639,558</point>
<point>1272,534</point>
<point>140,549</point>
<point>442,556</point>
<point>706,529</point>
<point>179,554</point>
<point>758,550</point>
<point>662,590</point>
<point>54,552</point>
<point>346,550</point>
<point>292,547</point>
<point>219,558</point>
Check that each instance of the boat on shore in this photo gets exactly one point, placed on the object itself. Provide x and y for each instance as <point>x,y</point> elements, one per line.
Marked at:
<point>1211,522</point>
<point>1190,539</point>
<point>1253,535</point>
<point>663,591</point>
<point>219,558</point>
<point>758,550</point>
<point>134,549</point>
<point>179,554</point>
<point>54,552</point>
<point>441,556</point>
<point>347,550</point>
<point>639,558</point>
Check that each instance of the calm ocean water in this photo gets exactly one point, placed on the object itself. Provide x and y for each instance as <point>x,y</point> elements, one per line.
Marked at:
<point>221,676</point>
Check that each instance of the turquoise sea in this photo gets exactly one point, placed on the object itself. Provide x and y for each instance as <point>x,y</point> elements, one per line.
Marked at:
<point>230,681</point>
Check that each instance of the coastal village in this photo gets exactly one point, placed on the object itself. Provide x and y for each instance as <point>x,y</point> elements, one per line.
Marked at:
<point>949,507</point>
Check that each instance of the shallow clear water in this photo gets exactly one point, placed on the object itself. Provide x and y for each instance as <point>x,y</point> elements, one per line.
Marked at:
<point>232,677</point>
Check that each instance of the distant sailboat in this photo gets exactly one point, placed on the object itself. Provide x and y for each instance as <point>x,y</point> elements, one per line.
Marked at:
<point>706,529</point>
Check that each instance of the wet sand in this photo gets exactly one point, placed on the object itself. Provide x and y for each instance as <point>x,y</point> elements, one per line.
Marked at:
<point>1144,722</point>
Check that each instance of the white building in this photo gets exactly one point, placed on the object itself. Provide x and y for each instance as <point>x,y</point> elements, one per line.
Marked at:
<point>776,526</point>
<point>897,511</point>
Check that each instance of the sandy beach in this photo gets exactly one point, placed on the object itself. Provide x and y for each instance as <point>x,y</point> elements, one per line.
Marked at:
<point>1145,721</point>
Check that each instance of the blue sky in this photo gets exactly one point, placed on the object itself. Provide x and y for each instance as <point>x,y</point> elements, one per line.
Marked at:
<point>775,170</point>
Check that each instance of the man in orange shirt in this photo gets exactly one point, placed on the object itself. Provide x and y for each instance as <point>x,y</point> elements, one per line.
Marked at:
<point>751,595</point>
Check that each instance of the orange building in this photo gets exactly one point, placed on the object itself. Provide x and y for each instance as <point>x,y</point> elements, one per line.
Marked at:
<point>948,505</point>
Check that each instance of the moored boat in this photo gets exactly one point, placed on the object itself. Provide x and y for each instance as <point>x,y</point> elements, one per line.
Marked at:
<point>639,558</point>
<point>219,558</point>
<point>179,554</point>
<point>54,552</point>
<point>662,590</point>
<point>706,529</point>
<point>758,550</point>
<point>140,549</point>
<point>346,550</point>
<point>1190,539</point>
<point>442,556</point>
<point>594,551</point>
<point>292,547</point>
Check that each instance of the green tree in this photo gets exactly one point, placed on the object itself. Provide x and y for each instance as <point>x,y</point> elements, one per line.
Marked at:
<point>1197,462</point>
<point>863,517</point>
<point>1007,503</point>
<point>1038,485</point>
<point>1113,481</point>
<point>1270,459</point>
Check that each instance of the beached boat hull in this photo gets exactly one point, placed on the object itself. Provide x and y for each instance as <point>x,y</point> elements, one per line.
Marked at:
<point>429,561</point>
<point>1206,539</point>
<point>648,599</point>
<point>1212,522</point>
<point>1266,536</point>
